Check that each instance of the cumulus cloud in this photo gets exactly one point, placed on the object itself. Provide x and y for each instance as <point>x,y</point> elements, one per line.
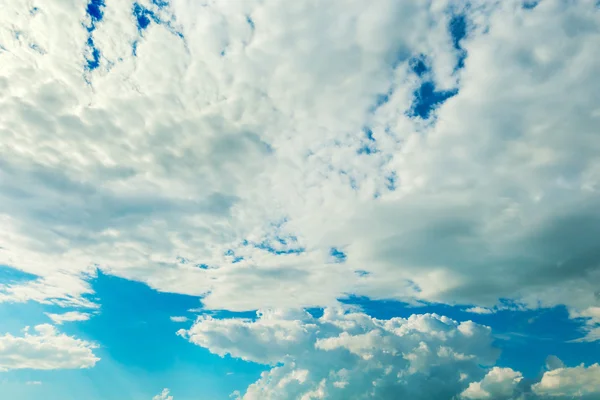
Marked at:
<point>70,316</point>
<point>164,395</point>
<point>228,149</point>
<point>345,355</point>
<point>498,383</point>
<point>45,349</point>
<point>576,382</point>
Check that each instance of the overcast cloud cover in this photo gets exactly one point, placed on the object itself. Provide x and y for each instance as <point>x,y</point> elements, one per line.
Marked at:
<point>280,156</point>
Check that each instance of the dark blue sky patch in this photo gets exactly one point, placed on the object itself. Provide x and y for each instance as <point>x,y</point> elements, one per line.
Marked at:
<point>368,147</point>
<point>235,259</point>
<point>426,99</point>
<point>390,181</point>
<point>418,65</point>
<point>367,150</point>
<point>94,10</point>
<point>160,3</point>
<point>268,247</point>
<point>338,255</point>
<point>458,31</point>
<point>250,22</point>
<point>530,5</point>
<point>142,16</point>
<point>93,60</point>
<point>362,272</point>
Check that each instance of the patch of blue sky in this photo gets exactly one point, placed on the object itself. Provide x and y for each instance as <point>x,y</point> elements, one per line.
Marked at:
<point>419,65</point>
<point>530,4</point>
<point>95,12</point>
<point>337,255</point>
<point>250,22</point>
<point>13,275</point>
<point>427,99</point>
<point>139,349</point>
<point>268,247</point>
<point>537,333</point>
<point>234,259</point>
<point>458,31</point>
<point>144,16</point>
<point>391,181</point>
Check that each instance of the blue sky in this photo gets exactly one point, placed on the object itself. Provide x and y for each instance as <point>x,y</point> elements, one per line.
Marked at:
<point>213,200</point>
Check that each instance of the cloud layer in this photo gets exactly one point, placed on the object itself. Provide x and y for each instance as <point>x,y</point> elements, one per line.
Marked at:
<point>46,349</point>
<point>345,355</point>
<point>267,156</point>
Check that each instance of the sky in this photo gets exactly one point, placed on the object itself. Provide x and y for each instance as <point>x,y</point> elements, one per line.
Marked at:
<point>257,199</point>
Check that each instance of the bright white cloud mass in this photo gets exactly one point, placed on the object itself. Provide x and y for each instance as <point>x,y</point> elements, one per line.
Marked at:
<point>46,349</point>
<point>264,156</point>
<point>344,355</point>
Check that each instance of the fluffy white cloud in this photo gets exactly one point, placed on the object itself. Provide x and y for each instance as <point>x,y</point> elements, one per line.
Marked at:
<point>46,349</point>
<point>226,150</point>
<point>479,310</point>
<point>179,319</point>
<point>498,383</point>
<point>164,395</point>
<point>577,382</point>
<point>351,355</point>
<point>70,316</point>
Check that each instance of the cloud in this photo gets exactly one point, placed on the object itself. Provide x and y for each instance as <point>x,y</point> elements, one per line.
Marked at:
<point>479,310</point>
<point>164,395</point>
<point>351,355</point>
<point>224,149</point>
<point>591,316</point>
<point>70,316</point>
<point>179,319</point>
<point>498,383</point>
<point>46,349</point>
<point>34,383</point>
<point>576,382</point>
<point>347,354</point>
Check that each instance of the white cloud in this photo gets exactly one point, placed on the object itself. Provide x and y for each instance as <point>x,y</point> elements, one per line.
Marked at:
<point>46,349</point>
<point>479,310</point>
<point>498,383</point>
<point>238,145</point>
<point>164,395</point>
<point>591,316</point>
<point>70,316</point>
<point>33,383</point>
<point>576,382</point>
<point>351,355</point>
<point>179,319</point>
